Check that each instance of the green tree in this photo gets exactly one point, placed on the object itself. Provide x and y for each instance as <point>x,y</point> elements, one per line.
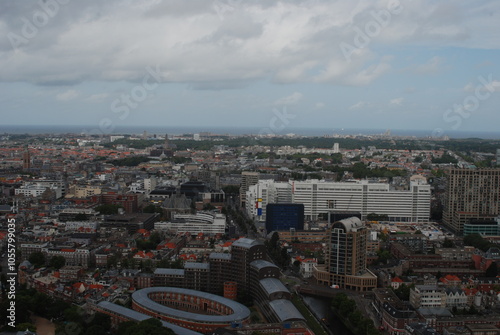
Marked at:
<point>95,330</point>
<point>37,259</point>
<point>478,241</point>
<point>448,243</point>
<point>74,314</point>
<point>208,207</point>
<point>231,189</point>
<point>338,299</point>
<point>403,291</point>
<point>81,217</point>
<point>355,317</point>
<point>148,327</point>
<point>445,159</point>
<point>492,270</point>
<point>25,326</point>
<point>130,161</point>
<point>151,208</point>
<point>383,256</point>
<point>347,307</point>
<point>99,325</point>
<point>155,238</point>
<point>109,209</point>
<point>57,262</point>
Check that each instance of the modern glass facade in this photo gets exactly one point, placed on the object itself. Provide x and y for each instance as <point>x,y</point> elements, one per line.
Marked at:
<point>284,217</point>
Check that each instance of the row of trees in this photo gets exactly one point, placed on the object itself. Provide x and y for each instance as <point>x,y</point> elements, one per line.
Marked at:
<point>346,308</point>
<point>244,223</point>
<point>479,242</point>
<point>37,259</point>
<point>70,319</point>
<point>130,161</point>
<point>146,327</point>
<point>277,253</point>
<point>324,142</point>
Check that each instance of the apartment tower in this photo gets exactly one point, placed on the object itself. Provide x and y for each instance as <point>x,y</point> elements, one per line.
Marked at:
<point>345,261</point>
<point>471,194</point>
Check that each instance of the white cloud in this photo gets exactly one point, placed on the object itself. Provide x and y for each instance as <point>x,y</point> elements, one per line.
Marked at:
<point>289,100</point>
<point>319,105</point>
<point>396,101</point>
<point>433,66</point>
<point>483,86</point>
<point>359,105</point>
<point>67,96</point>
<point>97,97</point>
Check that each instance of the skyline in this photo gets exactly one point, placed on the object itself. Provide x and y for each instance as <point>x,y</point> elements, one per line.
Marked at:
<point>276,65</point>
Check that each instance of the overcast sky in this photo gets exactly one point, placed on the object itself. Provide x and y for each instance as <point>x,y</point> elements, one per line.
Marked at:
<point>414,64</point>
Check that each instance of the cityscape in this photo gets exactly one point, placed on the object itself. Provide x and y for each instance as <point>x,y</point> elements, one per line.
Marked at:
<point>231,167</point>
<point>229,234</point>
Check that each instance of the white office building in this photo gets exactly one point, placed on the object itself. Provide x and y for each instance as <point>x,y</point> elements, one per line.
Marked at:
<point>36,189</point>
<point>201,222</point>
<point>81,226</point>
<point>320,197</point>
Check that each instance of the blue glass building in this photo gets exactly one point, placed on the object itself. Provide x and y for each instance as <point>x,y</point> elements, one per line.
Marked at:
<point>284,217</point>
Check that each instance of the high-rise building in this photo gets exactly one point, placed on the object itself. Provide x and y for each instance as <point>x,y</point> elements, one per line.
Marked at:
<point>336,148</point>
<point>266,192</point>
<point>244,251</point>
<point>26,159</point>
<point>248,179</point>
<point>498,157</point>
<point>471,194</point>
<point>345,261</point>
<point>166,145</point>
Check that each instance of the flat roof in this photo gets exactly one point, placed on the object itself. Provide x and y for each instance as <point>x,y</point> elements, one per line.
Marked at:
<point>166,271</point>
<point>136,316</point>
<point>431,311</point>
<point>194,265</point>
<point>246,243</point>
<point>220,255</point>
<point>240,312</point>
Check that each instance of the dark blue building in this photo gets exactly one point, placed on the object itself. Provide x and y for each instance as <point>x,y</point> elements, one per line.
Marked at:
<point>284,217</point>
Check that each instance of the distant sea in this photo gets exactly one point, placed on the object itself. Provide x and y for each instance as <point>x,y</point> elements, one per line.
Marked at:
<point>172,130</point>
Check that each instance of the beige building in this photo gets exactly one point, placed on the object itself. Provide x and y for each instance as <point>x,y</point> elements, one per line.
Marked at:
<point>83,191</point>
<point>248,179</point>
<point>345,261</point>
<point>427,296</point>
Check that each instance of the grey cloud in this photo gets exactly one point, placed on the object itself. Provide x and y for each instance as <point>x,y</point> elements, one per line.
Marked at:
<point>284,42</point>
